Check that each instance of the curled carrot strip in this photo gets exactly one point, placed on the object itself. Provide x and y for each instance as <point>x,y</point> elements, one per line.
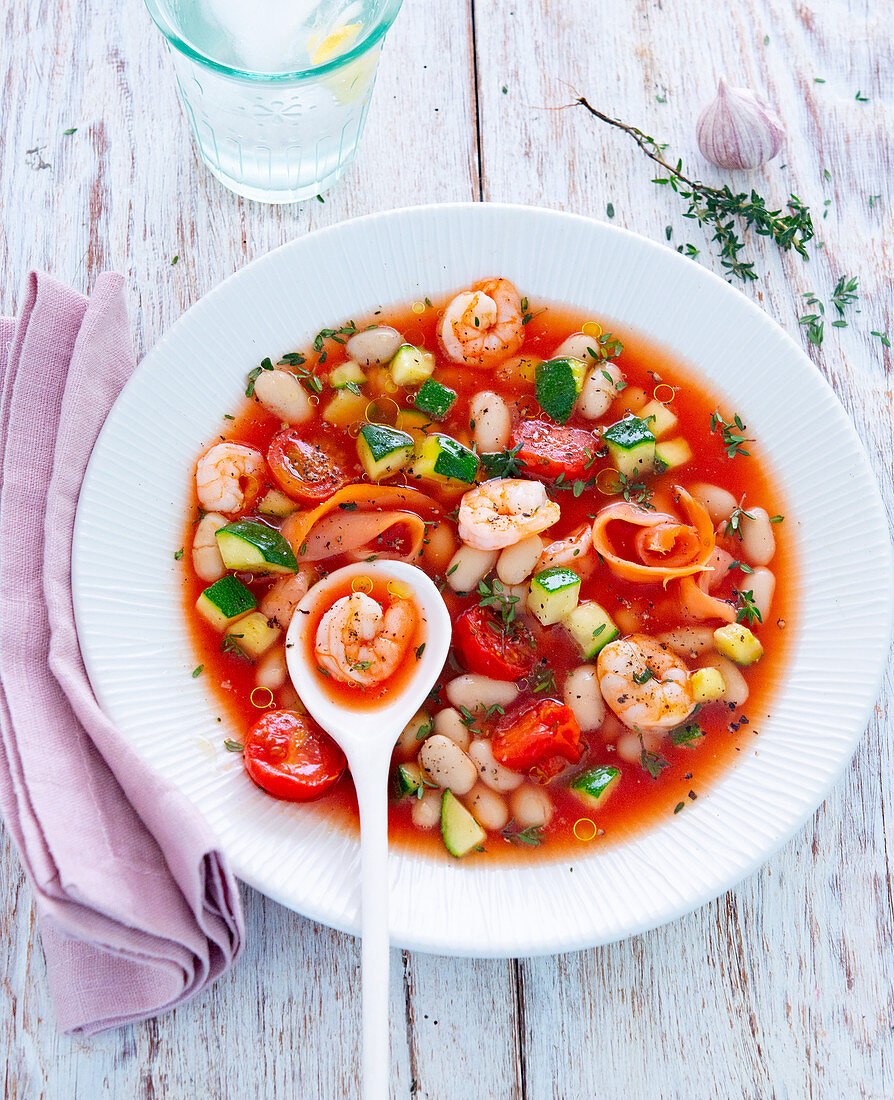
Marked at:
<point>669,548</point>
<point>695,598</point>
<point>366,498</point>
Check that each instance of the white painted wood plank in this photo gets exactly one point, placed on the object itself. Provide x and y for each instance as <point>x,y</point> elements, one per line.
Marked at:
<point>782,988</point>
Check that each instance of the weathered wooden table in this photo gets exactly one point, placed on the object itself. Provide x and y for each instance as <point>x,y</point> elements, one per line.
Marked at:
<point>782,988</point>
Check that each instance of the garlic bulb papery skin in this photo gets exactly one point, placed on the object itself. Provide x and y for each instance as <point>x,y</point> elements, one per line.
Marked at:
<point>738,130</point>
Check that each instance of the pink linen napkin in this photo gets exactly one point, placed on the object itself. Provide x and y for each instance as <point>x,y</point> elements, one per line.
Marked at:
<point>138,909</point>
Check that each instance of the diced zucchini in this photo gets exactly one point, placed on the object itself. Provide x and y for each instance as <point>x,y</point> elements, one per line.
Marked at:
<point>738,643</point>
<point>434,399</point>
<point>596,786</point>
<point>225,601</point>
<point>383,450</point>
<point>553,594</point>
<point>254,548</point>
<point>346,373</point>
<point>707,685</point>
<point>591,626</point>
<point>459,830</point>
<point>415,422</point>
<point>345,408</point>
<point>410,365</point>
<point>275,503</point>
<point>407,779</point>
<point>254,634</point>
<point>671,453</point>
<point>659,418</point>
<point>631,445</point>
<point>442,458</point>
<point>557,386</point>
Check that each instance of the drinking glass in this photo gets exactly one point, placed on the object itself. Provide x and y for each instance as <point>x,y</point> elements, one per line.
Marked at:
<point>276,91</point>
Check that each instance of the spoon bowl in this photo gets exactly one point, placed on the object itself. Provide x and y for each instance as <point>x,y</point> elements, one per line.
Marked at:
<point>367,735</point>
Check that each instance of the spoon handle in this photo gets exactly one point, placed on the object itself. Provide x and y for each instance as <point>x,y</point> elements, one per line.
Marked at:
<point>370,774</point>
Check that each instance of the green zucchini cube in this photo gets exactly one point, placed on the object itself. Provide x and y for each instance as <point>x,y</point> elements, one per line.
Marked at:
<point>250,547</point>
<point>631,445</point>
<point>591,626</point>
<point>225,601</point>
<point>557,386</point>
<point>596,786</point>
<point>434,399</point>
<point>411,366</point>
<point>444,459</point>
<point>460,831</point>
<point>383,450</point>
<point>553,594</point>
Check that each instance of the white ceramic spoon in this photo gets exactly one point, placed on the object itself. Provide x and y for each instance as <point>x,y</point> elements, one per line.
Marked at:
<point>367,737</point>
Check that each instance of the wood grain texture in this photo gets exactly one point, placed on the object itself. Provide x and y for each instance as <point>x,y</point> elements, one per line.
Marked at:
<point>782,988</point>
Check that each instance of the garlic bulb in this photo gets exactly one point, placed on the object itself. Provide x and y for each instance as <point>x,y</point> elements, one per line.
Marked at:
<point>738,130</point>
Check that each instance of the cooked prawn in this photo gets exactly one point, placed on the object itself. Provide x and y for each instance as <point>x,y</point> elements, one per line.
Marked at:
<point>645,683</point>
<point>504,511</point>
<point>483,326</point>
<point>281,599</point>
<point>228,477</point>
<point>573,551</point>
<point>360,643</point>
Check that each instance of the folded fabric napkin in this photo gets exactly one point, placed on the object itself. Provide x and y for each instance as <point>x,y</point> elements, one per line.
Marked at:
<point>138,910</point>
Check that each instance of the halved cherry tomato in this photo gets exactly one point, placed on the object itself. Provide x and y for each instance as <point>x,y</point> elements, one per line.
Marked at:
<point>548,450</point>
<point>301,469</point>
<point>291,757</point>
<point>540,740</point>
<point>484,646</point>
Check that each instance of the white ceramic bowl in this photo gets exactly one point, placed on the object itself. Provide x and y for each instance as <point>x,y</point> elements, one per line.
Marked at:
<point>138,655</point>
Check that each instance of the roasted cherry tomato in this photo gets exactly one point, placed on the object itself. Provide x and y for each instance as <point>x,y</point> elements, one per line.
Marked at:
<point>291,757</point>
<point>548,450</point>
<point>484,646</point>
<point>301,469</point>
<point>540,739</point>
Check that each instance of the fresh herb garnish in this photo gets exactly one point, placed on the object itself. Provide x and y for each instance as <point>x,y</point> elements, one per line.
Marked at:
<point>776,519</point>
<point>419,651</point>
<point>651,762</point>
<point>730,434</point>
<point>178,554</point>
<point>197,671</point>
<point>424,730</point>
<point>349,506</point>
<point>679,806</point>
<point>734,523</point>
<point>496,597</point>
<point>686,735</point>
<point>543,679</point>
<point>746,609</point>
<point>502,463</point>
<point>233,746</point>
<point>719,207</point>
<point>361,666</point>
<point>845,293</point>
<point>635,492</point>
<point>253,376</point>
<point>643,677</point>
<point>883,336</point>
<point>532,836</point>
<point>740,565</point>
<point>230,644</point>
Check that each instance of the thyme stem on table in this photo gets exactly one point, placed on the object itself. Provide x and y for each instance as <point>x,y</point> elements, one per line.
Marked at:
<point>718,207</point>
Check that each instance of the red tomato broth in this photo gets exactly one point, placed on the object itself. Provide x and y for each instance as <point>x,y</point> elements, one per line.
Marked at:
<point>639,800</point>
<point>362,698</point>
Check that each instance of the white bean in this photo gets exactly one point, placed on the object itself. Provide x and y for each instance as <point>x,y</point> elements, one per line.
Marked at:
<point>598,392</point>
<point>487,807</point>
<point>283,395</point>
<point>521,593</point>
<point>445,763</point>
<point>409,741</point>
<point>689,641</point>
<point>206,559</point>
<point>630,746</point>
<point>270,670</point>
<point>720,562</point>
<point>492,424</point>
<point>438,546</point>
<point>476,692</point>
<point>468,566</point>
<point>492,774</point>
<point>426,812</point>
<point>576,346</point>
<point>374,345</point>
<point>762,585</point>
<point>531,807</point>
<point>758,541</point>
<point>449,723</point>
<point>516,563</point>
<point>718,502</point>
<point>736,685</point>
<point>582,694</point>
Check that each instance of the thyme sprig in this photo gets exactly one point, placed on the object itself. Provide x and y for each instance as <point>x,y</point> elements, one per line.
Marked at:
<point>719,208</point>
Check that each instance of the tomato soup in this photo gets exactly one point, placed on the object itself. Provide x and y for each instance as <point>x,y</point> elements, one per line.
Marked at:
<point>606,535</point>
